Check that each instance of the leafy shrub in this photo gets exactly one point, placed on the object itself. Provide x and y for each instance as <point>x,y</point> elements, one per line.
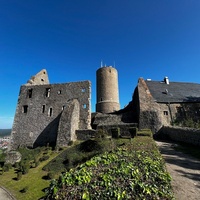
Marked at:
<point>89,146</point>
<point>25,168</point>
<point>80,153</point>
<point>134,171</point>
<point>24,190</point>
<point>2,156</point>
<point>145,132</point>
<point>6,167</point>
<point>16,165</point>
<point>29,154</point>
<point>50,175</point>
<point>101,134</point>
<point>19,175</point>
<point>43,158</point>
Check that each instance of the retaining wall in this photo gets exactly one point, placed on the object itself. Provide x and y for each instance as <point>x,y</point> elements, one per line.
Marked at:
<point>187,135</point>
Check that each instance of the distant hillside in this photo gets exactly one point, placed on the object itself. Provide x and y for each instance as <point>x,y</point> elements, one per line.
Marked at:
<point>5,132</point>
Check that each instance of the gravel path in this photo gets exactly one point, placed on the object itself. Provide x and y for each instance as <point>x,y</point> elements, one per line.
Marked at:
<point>184,170</point>
<point>5,195</point>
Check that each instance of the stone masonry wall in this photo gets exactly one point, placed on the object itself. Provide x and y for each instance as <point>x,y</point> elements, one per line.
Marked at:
<point>187,135</point>
<point>149,110</point>
<point>124,128</point>
<point>69,123</point>
<point>39,110</point>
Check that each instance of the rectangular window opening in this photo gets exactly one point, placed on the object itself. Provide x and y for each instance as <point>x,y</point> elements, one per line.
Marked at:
<point>30,91</point>
<point>43,108</point>
<point>84,106</point>
<point>165,112</point>
<point>47,94</point>
<point>25,109</point>
<point>83,90</point>
<point>50,112</point>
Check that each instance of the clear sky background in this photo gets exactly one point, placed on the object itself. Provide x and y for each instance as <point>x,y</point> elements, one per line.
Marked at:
<point>69,38</point>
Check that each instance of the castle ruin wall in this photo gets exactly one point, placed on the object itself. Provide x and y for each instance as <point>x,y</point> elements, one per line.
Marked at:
<point>39,110</point>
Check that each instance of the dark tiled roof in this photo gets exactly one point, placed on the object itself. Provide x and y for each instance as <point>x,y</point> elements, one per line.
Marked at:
<point>174,91</point>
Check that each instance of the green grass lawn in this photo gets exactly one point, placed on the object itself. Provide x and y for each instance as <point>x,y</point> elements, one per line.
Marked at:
<point>33,181</point>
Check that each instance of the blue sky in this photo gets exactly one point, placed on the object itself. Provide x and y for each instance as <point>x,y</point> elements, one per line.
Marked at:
<point>69,38</point>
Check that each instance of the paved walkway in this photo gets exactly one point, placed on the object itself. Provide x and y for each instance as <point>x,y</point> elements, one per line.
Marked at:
<point>184,170</point>
<point>5,195</point>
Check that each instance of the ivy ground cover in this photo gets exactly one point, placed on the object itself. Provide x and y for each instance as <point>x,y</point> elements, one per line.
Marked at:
<point>134,170</point>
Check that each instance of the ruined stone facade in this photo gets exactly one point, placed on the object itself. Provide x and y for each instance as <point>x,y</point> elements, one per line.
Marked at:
<point>50,113</point>
<point>56,114</point>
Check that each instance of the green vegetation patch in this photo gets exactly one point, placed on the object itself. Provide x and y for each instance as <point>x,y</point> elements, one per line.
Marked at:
<point>134,170</point>
<point>80,153</point>
<point>26,179</point>
<point>144,132</point>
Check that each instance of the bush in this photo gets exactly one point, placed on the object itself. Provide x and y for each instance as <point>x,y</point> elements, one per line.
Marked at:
<point>51,175</point>
<point>133,171</point>
<point>43,158</point>
<point>19,175</point>
<point>16,165</point>
<point>24,167</point>
<point>101,134</point>
<point>115,132</point>
<point>24,190</point>
<point>6,167</point>
<point>2,156</point>
<point>145,132</point>
<point>89,146</point>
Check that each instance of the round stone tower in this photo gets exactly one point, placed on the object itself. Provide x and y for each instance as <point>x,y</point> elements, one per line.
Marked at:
<point>107,90</point>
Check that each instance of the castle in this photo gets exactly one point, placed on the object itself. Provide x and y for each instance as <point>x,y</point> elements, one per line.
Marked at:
<point>50,113</point>
<point>55,114</point>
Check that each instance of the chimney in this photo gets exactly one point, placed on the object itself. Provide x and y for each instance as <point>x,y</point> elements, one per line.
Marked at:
<point>166,80</point>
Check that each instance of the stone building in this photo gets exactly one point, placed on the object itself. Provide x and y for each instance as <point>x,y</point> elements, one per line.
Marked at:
<point>107,90</point>
<point>50,113</point>
<point>56,114</point>
<point>159,103</point>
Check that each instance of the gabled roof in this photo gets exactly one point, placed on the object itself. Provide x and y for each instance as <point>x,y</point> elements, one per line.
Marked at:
<point>174,91</point>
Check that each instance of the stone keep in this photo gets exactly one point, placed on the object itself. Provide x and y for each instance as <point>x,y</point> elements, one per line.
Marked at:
<point>50,113</point>
<point>107,90</point>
